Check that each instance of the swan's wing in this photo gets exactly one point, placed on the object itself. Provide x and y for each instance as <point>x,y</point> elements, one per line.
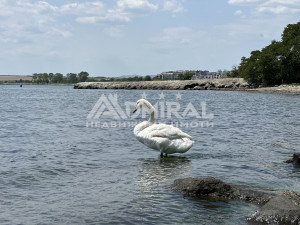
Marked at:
<point>167,131</point>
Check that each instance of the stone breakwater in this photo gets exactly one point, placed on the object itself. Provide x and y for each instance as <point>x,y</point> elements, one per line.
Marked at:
<point>293,89</point>
<point>201,84</point>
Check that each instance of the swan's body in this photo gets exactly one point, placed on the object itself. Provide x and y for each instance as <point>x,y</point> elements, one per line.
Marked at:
<point>162,137</point>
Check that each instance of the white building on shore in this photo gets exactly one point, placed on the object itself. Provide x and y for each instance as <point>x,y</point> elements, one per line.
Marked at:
<point>197,74</point>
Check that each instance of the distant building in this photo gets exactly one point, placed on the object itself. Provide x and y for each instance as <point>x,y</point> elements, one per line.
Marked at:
<point>198,74</point>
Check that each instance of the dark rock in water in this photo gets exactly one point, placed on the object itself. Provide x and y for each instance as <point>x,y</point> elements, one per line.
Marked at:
<point>207,186</point>
<point>276,209</point>
<point>282,209</point>
<point>252,194</point>
<point>295,159</point>
<point>212,187</point>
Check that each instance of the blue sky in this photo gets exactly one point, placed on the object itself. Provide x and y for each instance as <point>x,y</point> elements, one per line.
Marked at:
<point>127,37</point>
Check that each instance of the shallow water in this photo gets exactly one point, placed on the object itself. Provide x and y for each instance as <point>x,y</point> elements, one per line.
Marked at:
<point>55,168</point>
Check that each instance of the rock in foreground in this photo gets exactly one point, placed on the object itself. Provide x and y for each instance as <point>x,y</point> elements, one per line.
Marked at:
<point>206,186</point>
<point>215,188</point>
<point>280,209</point>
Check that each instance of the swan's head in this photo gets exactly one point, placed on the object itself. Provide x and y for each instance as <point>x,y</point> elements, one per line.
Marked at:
<point>140,103</point>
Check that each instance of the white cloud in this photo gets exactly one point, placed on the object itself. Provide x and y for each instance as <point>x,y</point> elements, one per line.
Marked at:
<point>94,12</point>
<point>238,12</point>
<point>36,7</point>
<point>179,35</point>
<point>277,10</point>
<point>270,6</point>
<point>175,6</point>
<point>115,31</point>
<point>136,4</point>
<point>286,2</point>
<point>56,31</point>
<point>86,8</point>
<point>241,2</point>
<point>279,6</point>
<point>24,20</point>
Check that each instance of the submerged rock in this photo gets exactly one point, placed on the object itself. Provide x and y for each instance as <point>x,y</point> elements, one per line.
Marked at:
<point>295,159</point>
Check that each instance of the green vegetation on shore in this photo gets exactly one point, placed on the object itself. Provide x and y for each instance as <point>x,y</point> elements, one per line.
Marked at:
<point>58,78</point>
<point>277,63</point>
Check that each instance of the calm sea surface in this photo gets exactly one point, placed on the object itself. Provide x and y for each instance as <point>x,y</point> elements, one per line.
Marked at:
<point>56,167</point>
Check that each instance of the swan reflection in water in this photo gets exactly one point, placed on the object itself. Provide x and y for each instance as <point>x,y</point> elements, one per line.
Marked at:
<point>163,171</point>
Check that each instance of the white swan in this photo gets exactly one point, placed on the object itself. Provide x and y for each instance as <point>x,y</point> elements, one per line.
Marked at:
<point>164,138</point>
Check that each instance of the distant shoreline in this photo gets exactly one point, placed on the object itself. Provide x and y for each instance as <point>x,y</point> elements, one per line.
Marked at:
<point>223,84</point>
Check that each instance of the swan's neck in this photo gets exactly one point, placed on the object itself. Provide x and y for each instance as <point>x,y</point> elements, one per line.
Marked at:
<point>152,112</point>
<point>143,125</point>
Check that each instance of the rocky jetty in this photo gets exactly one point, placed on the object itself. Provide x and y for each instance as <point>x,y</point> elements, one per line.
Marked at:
<point>200,84</point>
<point>291,89</point>
<point>276,208</point>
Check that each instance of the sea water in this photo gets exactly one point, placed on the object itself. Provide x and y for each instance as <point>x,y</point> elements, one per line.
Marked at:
<point>70,156</point>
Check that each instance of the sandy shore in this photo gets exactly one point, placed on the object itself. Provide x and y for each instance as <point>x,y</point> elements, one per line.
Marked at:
<point>15,78</point>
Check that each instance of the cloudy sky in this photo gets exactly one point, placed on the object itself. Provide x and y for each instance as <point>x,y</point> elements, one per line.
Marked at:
<point>121,37</point>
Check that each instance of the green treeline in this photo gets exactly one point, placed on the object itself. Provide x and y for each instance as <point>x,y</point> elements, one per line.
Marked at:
<point>275,64</point>
<point>185,76</point>
<point>60,78</point>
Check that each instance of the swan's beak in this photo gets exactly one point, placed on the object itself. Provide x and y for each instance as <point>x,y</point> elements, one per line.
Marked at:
<point>134,110</point>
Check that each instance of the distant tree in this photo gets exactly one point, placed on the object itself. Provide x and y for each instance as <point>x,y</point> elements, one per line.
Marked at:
<point>147,78</point>
<point>45,78</point>
<point>249,68</point>
<point>188,76</point>
<point>234,72</point>
<point>83,76</point>
<point>290,33</point>
<point>37,78</point>
<point>57,78</point>
<point>91,79</point>
<point>72,78</point>
<point>180,76</point>
<point>185,76</point>
<point>270,63</point>
<point>276,63</point>
<point>40,77</point>
<point>50,77</point>
<point>291,59</point>
<point>34,77</point>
